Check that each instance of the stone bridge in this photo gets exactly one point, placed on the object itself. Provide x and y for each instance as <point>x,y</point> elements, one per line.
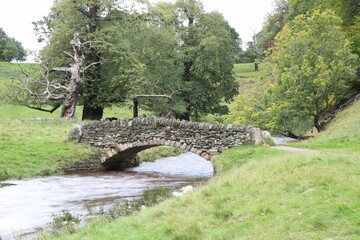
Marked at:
<point>121,140</point>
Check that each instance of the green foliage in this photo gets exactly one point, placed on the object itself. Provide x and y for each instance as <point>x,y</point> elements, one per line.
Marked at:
<point>312,66</point>
<point>273,25</point>
<point>144,53</point>
<point>63,223</point>
<point>10,48</point>
<point>248,106</point>
<point>205,53</point>
<point>347,10</point>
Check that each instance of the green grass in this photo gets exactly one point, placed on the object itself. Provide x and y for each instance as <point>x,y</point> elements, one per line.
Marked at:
<point>33,143</point>
<point>245,70</point>
<point>342,134</point>
<point>152,154</point>
<point>12,70</point>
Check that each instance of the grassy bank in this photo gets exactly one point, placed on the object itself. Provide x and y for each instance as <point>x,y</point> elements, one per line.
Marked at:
<point>261,193</point>
<point>33,143</point>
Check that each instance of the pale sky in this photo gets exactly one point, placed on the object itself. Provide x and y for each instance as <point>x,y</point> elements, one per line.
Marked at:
<point>16,17</point>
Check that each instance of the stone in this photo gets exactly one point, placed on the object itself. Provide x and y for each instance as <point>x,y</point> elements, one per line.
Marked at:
<point>267,139</point>
<point>75,133</point>
<point>132,136</point>
<point>256,136</point>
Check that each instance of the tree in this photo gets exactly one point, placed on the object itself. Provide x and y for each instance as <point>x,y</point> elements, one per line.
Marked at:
<point>64,92</point>
<point>176,50</point>
<point>207,45</point>
<point>347,10</point>
<point>93,21</point>
<point>312,68</point>
<point>273,25</point>
<point>10,49</point>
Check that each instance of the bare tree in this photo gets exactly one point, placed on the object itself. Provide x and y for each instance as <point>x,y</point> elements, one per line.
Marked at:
<point>64,92</point>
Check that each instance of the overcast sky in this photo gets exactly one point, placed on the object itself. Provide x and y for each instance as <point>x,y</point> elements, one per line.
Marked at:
<point>16,17</point>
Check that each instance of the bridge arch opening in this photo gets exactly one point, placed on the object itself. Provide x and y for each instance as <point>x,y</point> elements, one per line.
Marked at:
<point>125,155</point>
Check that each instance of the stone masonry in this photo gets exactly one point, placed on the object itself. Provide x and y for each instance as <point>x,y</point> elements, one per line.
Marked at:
<point>119,141</point>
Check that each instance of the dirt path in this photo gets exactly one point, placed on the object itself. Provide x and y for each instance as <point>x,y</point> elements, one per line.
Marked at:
<point>294,150</point>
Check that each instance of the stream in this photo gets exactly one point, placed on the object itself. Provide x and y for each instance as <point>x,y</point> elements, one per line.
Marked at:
<point>31,203</point>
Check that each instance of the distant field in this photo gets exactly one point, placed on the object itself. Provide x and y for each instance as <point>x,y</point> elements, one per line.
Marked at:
<point>245,69</point>
<point>9,71</point>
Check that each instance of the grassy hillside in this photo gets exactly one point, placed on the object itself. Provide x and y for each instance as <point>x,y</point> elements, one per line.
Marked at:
<point>33,143</point>
<point>262,193</point>
<point>342,134</point>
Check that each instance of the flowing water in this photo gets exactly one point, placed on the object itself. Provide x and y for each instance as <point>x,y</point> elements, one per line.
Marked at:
<point>31,203</point>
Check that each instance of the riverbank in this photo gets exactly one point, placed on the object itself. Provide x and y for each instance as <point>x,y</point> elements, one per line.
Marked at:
<point>261,193</point>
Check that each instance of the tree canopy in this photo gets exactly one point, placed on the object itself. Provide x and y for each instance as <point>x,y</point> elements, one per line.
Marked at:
<point>173,49</point>
<point>10,48</point>
<point>311,69</point>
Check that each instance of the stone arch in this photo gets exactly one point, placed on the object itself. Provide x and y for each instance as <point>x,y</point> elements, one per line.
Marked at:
<point>123,154</point>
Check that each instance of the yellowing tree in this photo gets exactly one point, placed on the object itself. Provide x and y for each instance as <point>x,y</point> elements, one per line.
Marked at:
<point>312,66</point>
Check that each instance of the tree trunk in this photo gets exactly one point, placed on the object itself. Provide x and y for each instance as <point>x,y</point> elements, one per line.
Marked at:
<point>135,107</point>
<point>71,96</point>
<point>90,110</point>
<point>316,123</point>
<point>187,70</point>
<point>92,113</point>
<point>70,101</point>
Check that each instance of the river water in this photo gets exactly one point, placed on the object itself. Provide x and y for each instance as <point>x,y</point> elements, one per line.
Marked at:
<point>31,203</point>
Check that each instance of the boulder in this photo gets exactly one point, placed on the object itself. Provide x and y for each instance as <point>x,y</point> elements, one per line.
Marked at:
<point>75,133</point>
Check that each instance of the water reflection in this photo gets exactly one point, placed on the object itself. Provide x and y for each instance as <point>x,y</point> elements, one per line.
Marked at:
<point>31,203</point>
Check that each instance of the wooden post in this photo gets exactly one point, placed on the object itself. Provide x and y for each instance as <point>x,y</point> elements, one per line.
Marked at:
<point>135,107</point>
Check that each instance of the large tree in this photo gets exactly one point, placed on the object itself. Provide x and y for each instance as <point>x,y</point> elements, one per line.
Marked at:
<point>207,45</point>
<point>175,50</point>
<point>312,68</point>
<point>93,21</point>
